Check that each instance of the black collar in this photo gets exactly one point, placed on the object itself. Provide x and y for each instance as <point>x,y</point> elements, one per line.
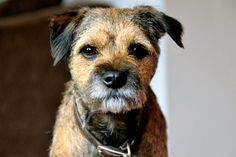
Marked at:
<point>108,151</point>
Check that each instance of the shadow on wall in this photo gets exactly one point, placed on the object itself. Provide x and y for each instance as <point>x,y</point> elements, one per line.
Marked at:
<point>13,7</point>
<point>30,88</point>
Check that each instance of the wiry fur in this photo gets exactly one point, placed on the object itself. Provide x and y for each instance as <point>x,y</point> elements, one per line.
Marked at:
<point>111,115</point>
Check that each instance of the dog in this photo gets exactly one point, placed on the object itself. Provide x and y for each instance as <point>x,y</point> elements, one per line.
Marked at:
<point>109,109</point>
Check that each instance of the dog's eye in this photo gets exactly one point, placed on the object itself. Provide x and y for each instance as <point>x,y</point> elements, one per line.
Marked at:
<point>89,52</point>
<point>138,50</point>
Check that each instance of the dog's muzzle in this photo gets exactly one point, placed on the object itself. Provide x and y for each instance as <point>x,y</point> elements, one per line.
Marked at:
<point>114,91</point>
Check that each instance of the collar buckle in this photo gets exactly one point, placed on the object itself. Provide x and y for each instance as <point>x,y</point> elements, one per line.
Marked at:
<point>105,150</point>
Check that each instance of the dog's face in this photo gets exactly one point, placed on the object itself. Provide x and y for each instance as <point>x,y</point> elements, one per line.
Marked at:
<point>113,53</point>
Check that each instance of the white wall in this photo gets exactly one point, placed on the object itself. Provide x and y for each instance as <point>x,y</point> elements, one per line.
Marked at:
<point>202,79</point>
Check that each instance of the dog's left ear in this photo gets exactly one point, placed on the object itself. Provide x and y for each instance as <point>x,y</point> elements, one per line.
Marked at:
<point>156,24</point>
<point>62,27</point>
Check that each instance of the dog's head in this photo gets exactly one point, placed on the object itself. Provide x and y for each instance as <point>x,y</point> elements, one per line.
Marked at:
<point>112,53</point>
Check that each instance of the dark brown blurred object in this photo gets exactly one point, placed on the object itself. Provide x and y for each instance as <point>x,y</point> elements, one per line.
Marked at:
<point>12,7</point>
<point>30,88</point>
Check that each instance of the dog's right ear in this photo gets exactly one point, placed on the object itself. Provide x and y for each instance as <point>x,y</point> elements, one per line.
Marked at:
<point>61,32</point>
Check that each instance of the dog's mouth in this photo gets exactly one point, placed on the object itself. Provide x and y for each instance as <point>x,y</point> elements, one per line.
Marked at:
<point>116,100</point>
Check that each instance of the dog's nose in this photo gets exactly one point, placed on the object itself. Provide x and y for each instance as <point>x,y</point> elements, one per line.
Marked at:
<point>114,79</point>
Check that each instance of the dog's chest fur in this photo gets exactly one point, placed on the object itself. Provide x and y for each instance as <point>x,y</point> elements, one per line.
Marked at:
<point>113,129</point>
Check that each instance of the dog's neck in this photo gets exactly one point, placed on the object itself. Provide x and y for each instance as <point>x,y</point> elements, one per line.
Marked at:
<point>109,128</point>
<point>112,129</point>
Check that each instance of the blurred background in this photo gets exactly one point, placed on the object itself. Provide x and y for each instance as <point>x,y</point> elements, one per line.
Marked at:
<point>196,86</point>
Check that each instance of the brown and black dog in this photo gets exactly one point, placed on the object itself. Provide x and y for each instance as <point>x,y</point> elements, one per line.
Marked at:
<point>109,108</point>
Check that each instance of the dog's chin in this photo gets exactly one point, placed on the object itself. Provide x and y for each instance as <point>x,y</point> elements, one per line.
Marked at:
<point>119,100</point>
<point>121,104</point>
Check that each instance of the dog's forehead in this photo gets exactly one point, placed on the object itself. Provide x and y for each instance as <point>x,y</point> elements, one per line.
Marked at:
<point>115,12</point>
<point>110,19</point>
<point>101,26</point>
<point>110,14</point>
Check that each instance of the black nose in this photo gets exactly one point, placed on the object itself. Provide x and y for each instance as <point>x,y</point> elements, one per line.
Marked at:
<point>114,78</point>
